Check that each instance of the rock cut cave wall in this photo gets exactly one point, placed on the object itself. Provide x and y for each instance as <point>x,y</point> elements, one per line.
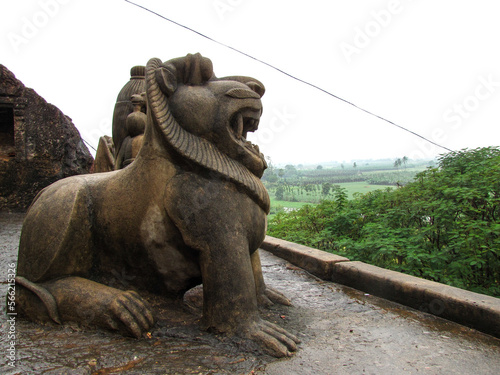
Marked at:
<point>38,144</point>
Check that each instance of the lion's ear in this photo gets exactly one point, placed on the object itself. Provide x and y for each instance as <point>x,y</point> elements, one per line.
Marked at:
<point>166,79</point>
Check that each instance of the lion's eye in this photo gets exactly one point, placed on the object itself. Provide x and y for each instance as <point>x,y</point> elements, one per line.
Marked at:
<point>240,93</point>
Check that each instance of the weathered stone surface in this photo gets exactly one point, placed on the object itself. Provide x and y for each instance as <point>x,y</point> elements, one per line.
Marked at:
<point>317,262</point>
<point>468,308</point>
<point>10,85</point>
<point>191,208</point>
<point>38,144</point>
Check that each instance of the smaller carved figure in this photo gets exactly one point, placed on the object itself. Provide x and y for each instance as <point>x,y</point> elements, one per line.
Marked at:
<point>135,125</point>
<point>104,158</point>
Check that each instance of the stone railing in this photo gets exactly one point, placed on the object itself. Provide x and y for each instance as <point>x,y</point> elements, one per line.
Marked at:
<point>471,309</point>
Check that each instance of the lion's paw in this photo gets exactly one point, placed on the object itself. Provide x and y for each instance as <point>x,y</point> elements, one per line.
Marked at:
<point>128,309</point>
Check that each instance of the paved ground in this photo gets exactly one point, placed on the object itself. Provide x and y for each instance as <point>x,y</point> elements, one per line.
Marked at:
<point>343,331</point>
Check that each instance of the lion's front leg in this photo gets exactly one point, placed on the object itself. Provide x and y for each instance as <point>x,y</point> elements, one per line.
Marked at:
<point>230,299</point>
<point>225,227</point>
<point>80,300</point>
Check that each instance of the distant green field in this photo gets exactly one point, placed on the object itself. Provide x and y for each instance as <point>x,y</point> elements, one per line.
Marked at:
<point>288,205</point>
<point>312,199</point>
<point>297,186</point>
<point>361,187</point>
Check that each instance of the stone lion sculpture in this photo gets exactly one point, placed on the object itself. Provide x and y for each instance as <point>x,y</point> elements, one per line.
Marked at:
<point>191,208</point>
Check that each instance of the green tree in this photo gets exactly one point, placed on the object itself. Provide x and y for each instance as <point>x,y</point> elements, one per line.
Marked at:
<point>280,191</point>
<point>309,188</point>
<point>270,173</point>
<point>404,161</point>
<point>340,196</point>
<point>290,170</point>
<point>325,188</point>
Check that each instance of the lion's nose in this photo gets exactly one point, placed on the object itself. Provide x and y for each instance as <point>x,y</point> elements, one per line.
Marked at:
<point>257,87</point>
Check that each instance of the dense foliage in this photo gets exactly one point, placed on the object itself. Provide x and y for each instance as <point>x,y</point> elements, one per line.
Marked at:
<point>443,226</point>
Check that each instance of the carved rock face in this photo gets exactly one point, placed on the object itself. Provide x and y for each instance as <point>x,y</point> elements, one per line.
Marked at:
<point>226,112</point>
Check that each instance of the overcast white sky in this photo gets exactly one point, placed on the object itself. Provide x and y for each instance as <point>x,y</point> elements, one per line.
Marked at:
<point>430,66</point>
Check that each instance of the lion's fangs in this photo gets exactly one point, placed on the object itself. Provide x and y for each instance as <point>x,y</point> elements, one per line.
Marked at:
<point>238,129</point>
<point>241,126</point>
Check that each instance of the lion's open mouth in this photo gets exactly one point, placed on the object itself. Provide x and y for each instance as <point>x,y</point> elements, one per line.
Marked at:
<point>243,122</point>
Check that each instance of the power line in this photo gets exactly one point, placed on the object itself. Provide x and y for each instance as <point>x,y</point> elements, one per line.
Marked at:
<point>88,144</point>
<point>288,74</point>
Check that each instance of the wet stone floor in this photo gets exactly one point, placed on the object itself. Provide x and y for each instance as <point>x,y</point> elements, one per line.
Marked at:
<point>343,331</point>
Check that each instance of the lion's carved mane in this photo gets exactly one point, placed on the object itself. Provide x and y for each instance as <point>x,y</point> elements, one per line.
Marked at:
<point>196,70</point>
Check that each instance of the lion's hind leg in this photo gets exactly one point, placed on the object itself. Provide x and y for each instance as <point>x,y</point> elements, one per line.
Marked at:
<point>56,238</point>
<point>55,242</point>
<point>56,259</point>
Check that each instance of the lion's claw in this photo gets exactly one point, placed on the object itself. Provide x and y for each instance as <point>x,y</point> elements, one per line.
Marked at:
<point>275,340</point>
<point>272,296</point>
<point>130,310</point>
<point>277,297</point>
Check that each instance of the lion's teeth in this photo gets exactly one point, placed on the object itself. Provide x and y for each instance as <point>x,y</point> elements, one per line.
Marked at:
<point>239,124</point>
